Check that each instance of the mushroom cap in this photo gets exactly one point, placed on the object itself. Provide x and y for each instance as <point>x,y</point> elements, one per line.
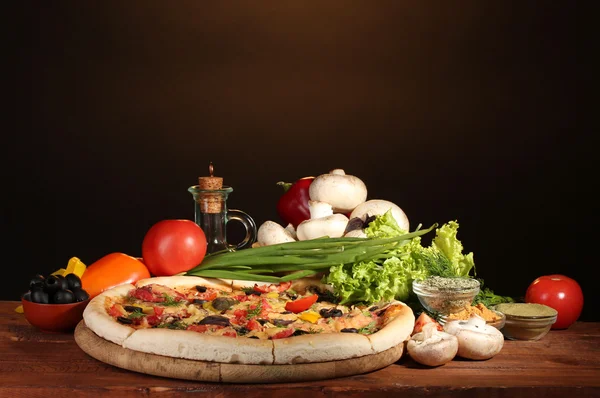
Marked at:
<point>356,233</point>
<point>332,226</point>
<point>343,192</point>
<point>377,207</point>
<point>476,339</point>
<point>431,347</point>
<point>271,233</point>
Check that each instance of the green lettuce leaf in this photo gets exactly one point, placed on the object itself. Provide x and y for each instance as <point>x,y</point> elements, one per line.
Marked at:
<point>446,242</point>
<point>384,226</point>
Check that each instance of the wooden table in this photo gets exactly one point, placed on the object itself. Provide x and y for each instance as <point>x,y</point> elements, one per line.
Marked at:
<point>565,363</point>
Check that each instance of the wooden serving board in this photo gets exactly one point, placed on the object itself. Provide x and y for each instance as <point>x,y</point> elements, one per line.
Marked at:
<point>178,368</point>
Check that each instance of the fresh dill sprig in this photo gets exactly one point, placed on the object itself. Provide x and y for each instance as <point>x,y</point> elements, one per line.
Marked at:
<point>438,264</point>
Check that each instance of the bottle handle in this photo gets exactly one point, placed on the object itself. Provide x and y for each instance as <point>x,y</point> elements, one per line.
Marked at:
<point>249,224</point>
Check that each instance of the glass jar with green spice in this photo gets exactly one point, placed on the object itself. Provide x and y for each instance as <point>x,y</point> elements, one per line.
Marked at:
<point>446,295</point>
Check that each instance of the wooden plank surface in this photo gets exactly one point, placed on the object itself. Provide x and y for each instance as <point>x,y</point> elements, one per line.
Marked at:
<point>565,363</point>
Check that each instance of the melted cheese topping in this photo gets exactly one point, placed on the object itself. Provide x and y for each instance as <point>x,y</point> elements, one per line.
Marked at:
<point>261,316</point>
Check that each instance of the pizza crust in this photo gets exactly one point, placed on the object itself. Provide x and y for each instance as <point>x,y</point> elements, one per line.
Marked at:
<point>399,321</point>
<point>97,319</point>
<point>186,281</point>
<point>202,347</point>
<point>299,285</point>
<point>320,348</point>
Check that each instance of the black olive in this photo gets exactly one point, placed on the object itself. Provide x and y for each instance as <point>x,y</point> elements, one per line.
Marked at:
<point>299,332</point>
<point>253,337</point>
<point>286,312</point>
<point>27,296</point>
<point>349,330</point>
<point>281,322</point>
<point>201,289</point>
<point>132,308</point>
<point>81,295</point>
<point>63,297</point>
<point>215,320</point>
<point>324,296</point>
<point>223,303</point>
<point>373,308</point>
<point>40,296</point>
<point>198,301</point>
<point>331,313</point>
<point>73,281</point>
<point>262,321</point>
<point>37,281</point>
<point>122,319</point>
<point>242,331</point>
<point>52,284</point>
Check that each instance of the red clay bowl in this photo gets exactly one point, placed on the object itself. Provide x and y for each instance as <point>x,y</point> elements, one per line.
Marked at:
<point>54,317</point>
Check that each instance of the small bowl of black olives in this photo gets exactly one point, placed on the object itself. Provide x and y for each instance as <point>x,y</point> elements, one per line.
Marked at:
<point>55,303</point>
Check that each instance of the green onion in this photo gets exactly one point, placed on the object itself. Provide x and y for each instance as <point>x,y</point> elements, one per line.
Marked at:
<point>302,258</point>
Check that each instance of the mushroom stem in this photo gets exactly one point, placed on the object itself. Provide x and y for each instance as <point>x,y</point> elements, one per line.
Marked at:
<point>319,209</point>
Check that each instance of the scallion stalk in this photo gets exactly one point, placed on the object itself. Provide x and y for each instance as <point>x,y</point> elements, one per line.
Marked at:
<point>302,258</point>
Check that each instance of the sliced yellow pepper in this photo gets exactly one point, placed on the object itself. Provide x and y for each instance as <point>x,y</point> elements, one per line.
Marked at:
<point>75,266</point>
<point>60,271</point>
<point>272,295</point>
<point>19,309</point>
<point>310,316</point>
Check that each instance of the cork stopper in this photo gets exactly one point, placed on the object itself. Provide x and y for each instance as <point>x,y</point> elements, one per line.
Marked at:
<point>210,182</point>
<point>211,203</point>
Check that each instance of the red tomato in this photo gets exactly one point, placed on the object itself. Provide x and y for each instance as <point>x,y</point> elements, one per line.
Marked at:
<point>283,334</point>
<point>173,246</point>
<point>423,320</point>
<point>302,304</point>
<point>559,292</point>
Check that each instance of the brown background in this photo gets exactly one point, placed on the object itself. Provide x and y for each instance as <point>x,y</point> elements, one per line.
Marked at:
<point>461,112</point>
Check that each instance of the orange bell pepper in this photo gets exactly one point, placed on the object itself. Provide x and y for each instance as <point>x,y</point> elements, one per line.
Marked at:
<point>112,270</point>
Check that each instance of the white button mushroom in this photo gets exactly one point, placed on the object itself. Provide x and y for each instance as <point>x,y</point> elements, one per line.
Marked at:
<point>343,192</point>
<point>356,233</point>
<point>377,207</point>
<point>476,339</point>
<point>271,233</point>
<point>432,347</point>
<point>322,222</point>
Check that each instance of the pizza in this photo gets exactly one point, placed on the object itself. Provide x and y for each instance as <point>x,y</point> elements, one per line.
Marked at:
<point>244,322</point>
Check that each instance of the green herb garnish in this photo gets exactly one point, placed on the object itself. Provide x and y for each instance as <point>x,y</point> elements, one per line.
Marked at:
<point>178,325</point>
<point>367,329</point>
<point>255,311</point>
<point>438,264</point>
<point>169,301</point>
<point>488,298</point>
<point>136,314</point>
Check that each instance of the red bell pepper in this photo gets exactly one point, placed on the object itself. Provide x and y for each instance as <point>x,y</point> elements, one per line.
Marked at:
<point>301,304</point>
<point>292,206</point>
